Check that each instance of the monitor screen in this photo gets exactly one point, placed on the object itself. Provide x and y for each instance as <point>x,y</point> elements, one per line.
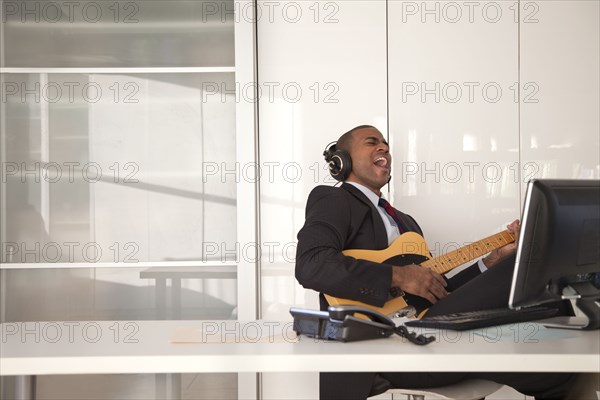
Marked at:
<point>559,244</point>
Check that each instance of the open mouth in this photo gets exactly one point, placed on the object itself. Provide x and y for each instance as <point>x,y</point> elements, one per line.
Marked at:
<point>382,162</point>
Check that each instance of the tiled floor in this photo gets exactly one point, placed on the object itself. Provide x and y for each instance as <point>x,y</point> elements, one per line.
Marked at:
<point>193,386</point>
<point>130,387</point>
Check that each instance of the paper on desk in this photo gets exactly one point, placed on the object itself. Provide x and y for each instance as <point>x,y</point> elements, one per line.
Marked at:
<point>225,332</point>
<point>525,332</point>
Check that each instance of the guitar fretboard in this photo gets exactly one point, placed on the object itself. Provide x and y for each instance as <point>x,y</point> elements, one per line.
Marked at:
<point>469,252</point>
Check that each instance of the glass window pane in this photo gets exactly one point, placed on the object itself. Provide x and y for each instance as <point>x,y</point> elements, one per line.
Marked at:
<point>126,33</point>
<point>104,193</point>
<point>112,171</point>
<point>109,168</point>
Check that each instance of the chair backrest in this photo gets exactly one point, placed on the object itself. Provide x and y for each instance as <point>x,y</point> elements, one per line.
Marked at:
<point>470,389</point>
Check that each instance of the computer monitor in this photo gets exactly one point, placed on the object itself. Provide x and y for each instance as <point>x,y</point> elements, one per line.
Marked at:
<point>558,253</point>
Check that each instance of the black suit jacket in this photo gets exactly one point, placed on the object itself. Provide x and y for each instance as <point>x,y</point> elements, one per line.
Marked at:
<point>341,218</point>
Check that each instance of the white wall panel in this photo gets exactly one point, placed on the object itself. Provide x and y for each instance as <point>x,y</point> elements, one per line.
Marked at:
<point>454,117</point>
<point>334,53</point>
<point>322,71</point>
<point>560,53</point>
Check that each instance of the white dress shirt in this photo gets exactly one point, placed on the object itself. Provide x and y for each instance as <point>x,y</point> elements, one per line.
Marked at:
<point>390,225</point>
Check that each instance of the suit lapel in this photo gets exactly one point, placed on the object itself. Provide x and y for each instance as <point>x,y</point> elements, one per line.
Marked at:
<point>380,232</point>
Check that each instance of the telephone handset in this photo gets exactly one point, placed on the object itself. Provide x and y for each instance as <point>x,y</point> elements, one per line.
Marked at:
<point>349,323</point>
<point>339,313</point>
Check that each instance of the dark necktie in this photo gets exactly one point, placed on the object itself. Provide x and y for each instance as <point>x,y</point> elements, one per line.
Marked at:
<point>392,213</point>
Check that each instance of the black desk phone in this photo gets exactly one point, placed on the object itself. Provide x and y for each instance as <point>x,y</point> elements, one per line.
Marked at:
<point>340,323</point>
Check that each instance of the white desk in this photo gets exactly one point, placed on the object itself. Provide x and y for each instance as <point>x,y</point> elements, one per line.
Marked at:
<point>118,347</point>
<point>105,347</point>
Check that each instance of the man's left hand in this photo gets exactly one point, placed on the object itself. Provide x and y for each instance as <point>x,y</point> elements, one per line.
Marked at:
<point>497,255</point>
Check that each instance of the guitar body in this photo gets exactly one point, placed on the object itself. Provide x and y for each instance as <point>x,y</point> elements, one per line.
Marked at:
<point>409,248</point>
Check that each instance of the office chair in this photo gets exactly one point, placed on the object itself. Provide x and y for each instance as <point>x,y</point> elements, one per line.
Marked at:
<point>470,389</point>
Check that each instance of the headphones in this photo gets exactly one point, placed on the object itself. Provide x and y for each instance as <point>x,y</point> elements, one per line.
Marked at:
<point>339,162</point>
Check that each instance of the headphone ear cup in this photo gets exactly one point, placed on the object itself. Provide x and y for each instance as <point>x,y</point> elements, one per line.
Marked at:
<point>340,165</point>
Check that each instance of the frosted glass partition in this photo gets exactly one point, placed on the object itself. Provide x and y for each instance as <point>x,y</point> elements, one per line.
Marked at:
<point>118,33</point>
<point>118,170</point>
<point>121,170</point>
<point>120,133</point>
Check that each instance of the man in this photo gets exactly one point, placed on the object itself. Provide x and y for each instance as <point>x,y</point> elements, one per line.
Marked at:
<point>353,216</point>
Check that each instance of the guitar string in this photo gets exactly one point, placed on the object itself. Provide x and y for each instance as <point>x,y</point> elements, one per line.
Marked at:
<point>473,251</point>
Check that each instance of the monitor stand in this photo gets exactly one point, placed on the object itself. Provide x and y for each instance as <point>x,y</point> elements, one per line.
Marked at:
<point>588,302</point>
<point>565,322</point>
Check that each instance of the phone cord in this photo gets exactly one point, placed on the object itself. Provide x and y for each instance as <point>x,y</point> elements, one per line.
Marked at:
<point>412,337</point>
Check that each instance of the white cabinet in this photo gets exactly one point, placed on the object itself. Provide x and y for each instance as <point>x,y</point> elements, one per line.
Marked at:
<point>560,58</point>
<point>326,71</point>
<point>326,65</point>
<point>453,80</point>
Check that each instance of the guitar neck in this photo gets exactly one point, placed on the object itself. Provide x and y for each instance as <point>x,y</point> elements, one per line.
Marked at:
<point>468,253</point>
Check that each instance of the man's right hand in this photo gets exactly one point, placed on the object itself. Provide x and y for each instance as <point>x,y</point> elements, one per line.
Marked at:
<point>419,281</point>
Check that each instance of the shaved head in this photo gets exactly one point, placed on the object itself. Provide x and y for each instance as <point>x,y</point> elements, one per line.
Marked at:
<point>345,141</point>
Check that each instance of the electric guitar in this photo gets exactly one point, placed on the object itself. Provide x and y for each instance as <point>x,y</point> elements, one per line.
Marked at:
<point>411,248</point>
